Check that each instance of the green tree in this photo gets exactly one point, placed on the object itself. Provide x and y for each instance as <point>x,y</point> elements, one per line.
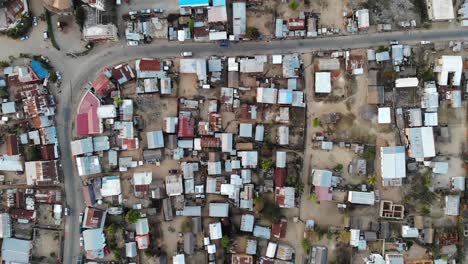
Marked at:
<point>425,211</point>
<point>111,229</point>
<point>3,93</point>
<point>345,236</point>
<point>371,180</point>
<point>32,153</point>
<point>267,164</point>
<point>294,5</point>
<point>225,242</point>
<point>259,203</point>
<point>118,101</point>
<point>4,64</point>
<point>291,180</point>
<point>317,122</point>
<point>271,212</point>
<point>339,167</point>
<point>252,33</point>
<point>132,216</point>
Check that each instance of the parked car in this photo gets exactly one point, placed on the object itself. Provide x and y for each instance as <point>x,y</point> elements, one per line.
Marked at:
<point>394,42</point>
<point>59,76</point>
<point>132,13</point>
<point>35,21</point>
<point>174,171</point>
<point>24,38</point>
<point>146,11</point>
<point>132,43</point>
<point>118,2</point>
<point>224,43</point>
<point>186,54</point>
<point>81,241</point>
<point>67,211</point>
<point>46,35</point>
<point>81,217</point>
<point>158,10</point>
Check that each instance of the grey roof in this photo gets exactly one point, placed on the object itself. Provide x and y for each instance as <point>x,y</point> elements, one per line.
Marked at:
<point>5,225</point>
<point>322,178</point>
<point>239,18</point>
<point>247,223</point>
<point>382,56</point>
<point>16,250</point>
<point>291,63</point>
<point>101,143</point>
<point>8,108</point>
<point>141,226</point>
<point>130,249</point>
<point>397,54</point>
<point>251,247</point>
<point>88,165</point>
<point>245,130</point>
<point>190,211</point>
<point>262,232</point>
<point>219,209</point>
<point>94,239</point>
<point>189,243</point>
<point>214,65</point>
<point>196,225</point>
<point>318,255</point>
<point>155,139</point>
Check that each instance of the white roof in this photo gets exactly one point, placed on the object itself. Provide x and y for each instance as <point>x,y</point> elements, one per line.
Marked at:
<point>155,139</point>
<point>421,141</point>
<point>384,116</point>
<point>452,205</point>
<point>215,231</point>
<point>367,198</point>
<point>142,178</point>
<point>271,250</point>
<point>259,132</point>
<point>141,226</point>
<point>11,163</point>
<point>441,10</point>
<point>409,232</point>
<point>283,135</point>
<point>174,185</point>
<point>431,119</point>
<point>363,18</point>
<point>406,82</point>
<point>277,59</point>
<point>393,162</point>
<point>245,130</point>
<point>110,186</point>
<point>322,82</point>
<point>262,232</point>
<point>178,259</point>
<point>355,237</point>
<point>281,159</point>
<point>267,95</point>
<point>458,183</point>
<point>239,18</point>
<point>447,65</point>
<point>218,35</point>
<point>106,111</point>
<point>247,222</point>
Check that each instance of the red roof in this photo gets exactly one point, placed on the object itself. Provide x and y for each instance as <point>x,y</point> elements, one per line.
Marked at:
<point>48,152</point>
<point>150,65</point>
<point>87,120</point>
<point>23,214</point>
<point>102,85</point>
<point>323,193</point>
<point>280,177</point>
<point>131,143</point>
<point>210,142</point>
<point>122,73</point>
<point>186,127</point>
<point>12,144</point>
<point>279,230</point>
<point>142,188</point>
<point>296,24</point>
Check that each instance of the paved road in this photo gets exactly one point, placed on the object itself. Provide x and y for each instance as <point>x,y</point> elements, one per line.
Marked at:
<point>78,71</point>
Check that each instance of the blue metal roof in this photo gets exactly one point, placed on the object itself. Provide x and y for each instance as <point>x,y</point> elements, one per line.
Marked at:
<point>185,3</point>
<point>39,69</point>
<point>219,2</point>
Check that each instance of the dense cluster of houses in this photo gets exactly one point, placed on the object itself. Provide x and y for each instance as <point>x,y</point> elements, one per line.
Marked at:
<point>212,161</point>
<point>30,160</point>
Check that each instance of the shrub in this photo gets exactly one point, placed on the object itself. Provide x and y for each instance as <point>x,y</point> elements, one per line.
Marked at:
<point>306,244</point>
<point>294,5</point>
<point>132,216</point>
<point>4,64</point>
<point>271,212</point>
<point>225,242</point>
<point>339,167</point>
<point>252,33</point>
<point>317,122</point>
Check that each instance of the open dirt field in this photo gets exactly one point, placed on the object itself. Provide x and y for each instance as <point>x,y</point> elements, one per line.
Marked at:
<point>46,247</point>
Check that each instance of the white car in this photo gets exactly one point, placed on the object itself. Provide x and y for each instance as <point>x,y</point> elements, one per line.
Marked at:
<point>186,54</point>
<point>132,43</point>
<point>59,76</point>
<point>132,13</point>
<point>81,241</point>
<point>81,217</point>
<point>35,21</point>
<point>46,35</point>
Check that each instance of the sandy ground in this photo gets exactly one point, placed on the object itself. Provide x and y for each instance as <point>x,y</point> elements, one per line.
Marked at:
<point>46,246</point>
<point>45,214</point>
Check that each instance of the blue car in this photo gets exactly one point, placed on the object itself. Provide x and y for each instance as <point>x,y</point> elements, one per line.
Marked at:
<point>224,43</point>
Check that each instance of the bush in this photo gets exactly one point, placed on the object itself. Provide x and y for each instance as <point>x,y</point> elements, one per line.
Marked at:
<point>266,164</point>
<point>225,242</point>
<point>53,76</point>
<point>22,28</point>
<point>294,5</point>
<point>369,153</point>
<point>4,64</point>
<point>252,33</point>
<point>306,245</point>
<point>339,167</point>
<point>132,216</point>
<point>118,101</point>
<point>389,75</point>
<point>271,212</point>
<point>317,122</point>
<point>186,226</point>
<point>3,93</point>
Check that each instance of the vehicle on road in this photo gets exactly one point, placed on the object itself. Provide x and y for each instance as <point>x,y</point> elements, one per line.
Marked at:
<point>81,218</point>
<point>158,10</point>
<point>132,13</point>
<point>146,11</point>
<point>174,171</point>
<point>59,76</point>
<point>186,54</point>
<point>35,21</point>
<point>424,42</point>
<point>132,43</point>
<point>81,241</point>
<point>24,38</point>
<point>224,43</point>
<point>67,211</point>
<point>394,42</point>
<point>118,2</point>
<point>45,34</point>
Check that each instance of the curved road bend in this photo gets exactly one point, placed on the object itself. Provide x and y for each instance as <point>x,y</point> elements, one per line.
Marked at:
<point>78,71</point>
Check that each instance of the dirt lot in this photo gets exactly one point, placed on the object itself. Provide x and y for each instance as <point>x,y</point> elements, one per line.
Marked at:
<point>45,214</point>
<point>46,247</point>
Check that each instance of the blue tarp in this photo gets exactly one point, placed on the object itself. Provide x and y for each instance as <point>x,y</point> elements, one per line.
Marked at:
<point>185,3</point>
<point>37,67</point>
